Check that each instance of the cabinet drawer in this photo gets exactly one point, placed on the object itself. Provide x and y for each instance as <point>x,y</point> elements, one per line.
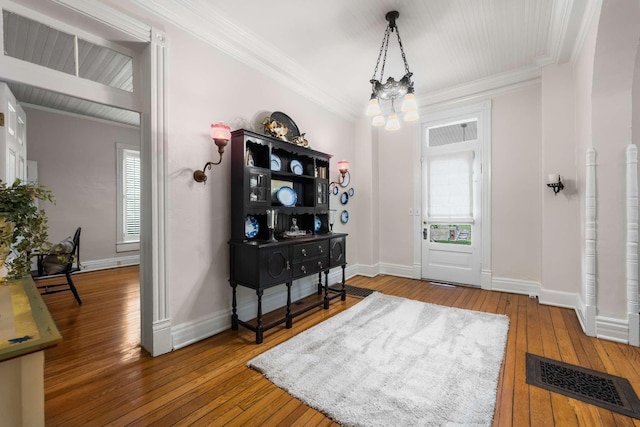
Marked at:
<point>310,267</point>
<point>303,252</point>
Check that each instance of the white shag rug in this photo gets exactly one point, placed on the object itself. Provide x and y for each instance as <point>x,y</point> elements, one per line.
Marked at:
<point>390,361</point>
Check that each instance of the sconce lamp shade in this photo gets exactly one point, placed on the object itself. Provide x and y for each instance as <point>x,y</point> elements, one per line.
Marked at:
<point>220,131</point>
<point>343,166</point>
<point>373,109</point>
<point>378,120</point>
<point>393,123</point>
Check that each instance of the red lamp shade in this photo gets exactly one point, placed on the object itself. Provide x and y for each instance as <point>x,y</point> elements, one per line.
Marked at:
<point>220,131</point>
<point>343,166</point>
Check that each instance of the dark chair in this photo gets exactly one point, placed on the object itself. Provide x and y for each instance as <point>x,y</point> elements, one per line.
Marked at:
<point>61,262</point>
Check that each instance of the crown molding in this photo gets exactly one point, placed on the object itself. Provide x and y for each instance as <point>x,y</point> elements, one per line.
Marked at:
<point>109,17</point>
<point>199,19</point>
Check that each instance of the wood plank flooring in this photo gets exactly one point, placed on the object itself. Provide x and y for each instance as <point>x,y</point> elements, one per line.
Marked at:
<point>100,376</point>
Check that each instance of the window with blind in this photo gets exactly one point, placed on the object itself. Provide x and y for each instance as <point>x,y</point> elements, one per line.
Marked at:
<point>128,161</point>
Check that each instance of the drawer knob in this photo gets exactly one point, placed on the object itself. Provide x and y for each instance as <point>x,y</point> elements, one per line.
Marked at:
<point>287,265</point>
<point>303,252</point>
<point>303,269</point>
<point>320,264</point>
<point>320,248</point>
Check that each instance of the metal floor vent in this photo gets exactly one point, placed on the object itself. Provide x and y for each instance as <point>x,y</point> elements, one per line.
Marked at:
<point>593,387</point>
<point>353,290</point>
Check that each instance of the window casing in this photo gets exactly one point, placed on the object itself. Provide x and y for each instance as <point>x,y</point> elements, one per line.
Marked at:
<point>128,203</point>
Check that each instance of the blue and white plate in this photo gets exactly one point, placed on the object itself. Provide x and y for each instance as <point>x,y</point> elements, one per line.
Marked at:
<point>335,190</point>
<point>344,217</point>
<point>251,227</point>
<point>317,223</point>
<point>276,163</point>
<point>351,192</point>
<point>296,167</point>
<point>287,196</point>
<point>344,198</point>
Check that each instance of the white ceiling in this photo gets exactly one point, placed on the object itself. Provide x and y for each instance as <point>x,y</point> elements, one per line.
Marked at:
<point>327,50</point>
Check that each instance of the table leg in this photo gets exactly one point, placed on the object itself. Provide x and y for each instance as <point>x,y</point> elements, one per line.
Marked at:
<point>326,289</point>
<point>234,309</point>
<point>344,289</point>
<point>259,330</point>
<point>320,283</point>
<point>289,318</point>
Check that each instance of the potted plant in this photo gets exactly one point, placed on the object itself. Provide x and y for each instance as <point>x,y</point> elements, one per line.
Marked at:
<point>29,229</point>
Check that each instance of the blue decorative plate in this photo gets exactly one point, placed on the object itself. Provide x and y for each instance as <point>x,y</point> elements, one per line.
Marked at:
<point>317,223</point>
<point>335,190</point>
<point>296,167</point>
<point>344,198</point>
<point>276,164</point>
<point>344,217</point>
<point>287,196</point>
<point>251,227</point>
<point>351,191</point>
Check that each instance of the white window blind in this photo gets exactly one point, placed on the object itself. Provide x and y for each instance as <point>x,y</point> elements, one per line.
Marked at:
<point>450,185</point>
<point>131,195</point>
<point>128,202</point>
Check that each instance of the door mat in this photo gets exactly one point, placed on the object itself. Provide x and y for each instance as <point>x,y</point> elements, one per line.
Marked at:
<point>593,387</point>
<point>353,290</point>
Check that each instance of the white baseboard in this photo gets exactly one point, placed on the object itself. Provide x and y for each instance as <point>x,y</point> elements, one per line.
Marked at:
<point>396,270</point>
<point>101,264</point>
<point>272,299</point>
<point>558,298</point>
<point>612,329</point>
<point>515,286</point>
<point>368,270</point>
<point>634,329</point>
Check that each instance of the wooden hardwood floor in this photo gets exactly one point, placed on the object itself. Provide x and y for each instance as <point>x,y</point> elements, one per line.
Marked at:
<point>99,375</point>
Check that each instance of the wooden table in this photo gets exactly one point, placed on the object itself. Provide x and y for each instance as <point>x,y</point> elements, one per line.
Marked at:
<point>26,329</point>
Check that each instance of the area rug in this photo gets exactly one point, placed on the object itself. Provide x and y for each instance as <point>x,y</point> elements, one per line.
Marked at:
<point>393,361</point>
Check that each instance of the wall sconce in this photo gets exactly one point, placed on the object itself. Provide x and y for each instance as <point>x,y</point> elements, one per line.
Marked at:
<point>221,134</point>
<point>554,181</point>
<point>345,177</point>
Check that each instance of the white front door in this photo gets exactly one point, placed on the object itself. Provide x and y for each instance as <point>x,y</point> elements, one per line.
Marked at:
<point>451,207</point>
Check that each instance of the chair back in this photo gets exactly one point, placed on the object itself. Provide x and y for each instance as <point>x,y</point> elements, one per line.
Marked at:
<point>75,251</point>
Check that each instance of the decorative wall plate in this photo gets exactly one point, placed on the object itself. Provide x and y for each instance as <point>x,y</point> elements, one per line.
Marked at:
<point>251,227</point>
<point>344,198</point>
<point>351,191</point>
<point>317,223</point>
<point>335,190</point>
<point>287,196</point>
<point>276,163</point>
<point>288,122</point>
<point>344,217</point>
<point>296,167</point>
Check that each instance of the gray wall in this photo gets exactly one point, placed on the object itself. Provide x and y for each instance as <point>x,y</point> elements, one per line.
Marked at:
<point>77,161</point>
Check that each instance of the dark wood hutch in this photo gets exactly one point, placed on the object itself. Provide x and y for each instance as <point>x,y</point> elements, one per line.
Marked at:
<point>257,260</point>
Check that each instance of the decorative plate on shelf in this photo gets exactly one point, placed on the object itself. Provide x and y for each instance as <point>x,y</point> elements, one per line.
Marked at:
<point>287,196</point>
<point>276,163</point>
<point>344,217</point>
<point>317,223</point>
<point>281,117</point>
<point>251,227</point>
<point>296,167</point>
<point>344,198</point>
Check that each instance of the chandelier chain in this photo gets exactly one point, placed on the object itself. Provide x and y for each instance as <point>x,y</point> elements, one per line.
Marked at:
<point>383,48</point>
<point>404,58</point>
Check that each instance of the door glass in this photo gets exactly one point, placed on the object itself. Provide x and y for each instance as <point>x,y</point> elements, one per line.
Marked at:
<point>450,185</point>
<point>458,234</point>
<point>452,133</point>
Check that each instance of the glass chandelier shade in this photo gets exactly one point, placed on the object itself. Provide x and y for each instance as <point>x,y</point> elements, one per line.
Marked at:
<point>391,89</point>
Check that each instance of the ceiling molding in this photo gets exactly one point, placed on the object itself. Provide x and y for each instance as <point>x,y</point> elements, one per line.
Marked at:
<point>592,12</point>
<point>210,26</point>
<point>480,88</point>
<point>110,17</point>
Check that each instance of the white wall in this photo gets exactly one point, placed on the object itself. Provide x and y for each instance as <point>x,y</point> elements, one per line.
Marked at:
<point>77,161</point>
<point>516,184</point>
<point>206,86</point>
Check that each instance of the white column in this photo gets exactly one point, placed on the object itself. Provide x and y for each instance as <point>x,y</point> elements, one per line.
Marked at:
<point>590,280</point>
<point>632,245</point>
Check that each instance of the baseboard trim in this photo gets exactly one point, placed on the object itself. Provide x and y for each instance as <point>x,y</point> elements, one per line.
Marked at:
<point>515,286</point>
<point>274,298</point>
<point>612,329</point>
<point>368,270</point>
<point>396,270</point>
<point>102,264</point>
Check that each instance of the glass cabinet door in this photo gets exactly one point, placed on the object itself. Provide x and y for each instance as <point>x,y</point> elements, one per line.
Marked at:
<point>322,193</point>
<point>258,188</point>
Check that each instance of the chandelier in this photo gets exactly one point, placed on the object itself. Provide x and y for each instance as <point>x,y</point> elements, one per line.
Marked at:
<point>391,90</point>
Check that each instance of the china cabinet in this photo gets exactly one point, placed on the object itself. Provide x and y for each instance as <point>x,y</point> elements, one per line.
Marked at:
<point>280,227</point>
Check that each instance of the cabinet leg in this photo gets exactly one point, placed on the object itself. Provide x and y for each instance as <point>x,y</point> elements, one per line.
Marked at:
<point>234,309</point>
<point>344,289</point>
<point>320,283</point>
<point>289,318</point>
<point>259,330</point>
<point>326,289</point>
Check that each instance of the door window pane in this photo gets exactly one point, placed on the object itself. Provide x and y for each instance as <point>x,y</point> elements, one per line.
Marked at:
<point>452,133</point>
<point>450,185</point>
<point>459,234</point>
